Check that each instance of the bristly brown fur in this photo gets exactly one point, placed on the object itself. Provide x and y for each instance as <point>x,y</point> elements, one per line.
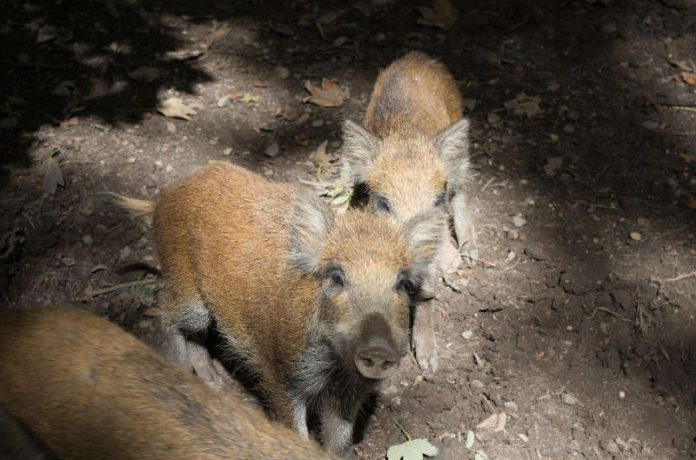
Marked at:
<point>90,390</point>
<point>257,257</point>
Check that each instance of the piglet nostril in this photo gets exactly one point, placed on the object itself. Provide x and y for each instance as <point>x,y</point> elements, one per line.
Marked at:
<point>387,364</point>
<point>368,362</point>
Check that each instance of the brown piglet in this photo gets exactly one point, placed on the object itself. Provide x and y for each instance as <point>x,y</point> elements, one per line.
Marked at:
<point>315,305</point>
<point>88,390</point>
<point>411,157</point>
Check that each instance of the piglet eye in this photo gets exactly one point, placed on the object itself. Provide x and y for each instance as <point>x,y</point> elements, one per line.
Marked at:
<point>406,286</point>
<point>382,205</point>
<point>440,200</point>
<point>336,276</point>
<point>337,279</point>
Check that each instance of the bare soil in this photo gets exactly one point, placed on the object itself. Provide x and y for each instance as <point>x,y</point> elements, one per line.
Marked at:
<point>577,322</point>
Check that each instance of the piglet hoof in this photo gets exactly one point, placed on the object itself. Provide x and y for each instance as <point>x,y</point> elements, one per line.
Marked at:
<point>448,257</point>
<point>468,246</point>
<point>424,343</point>
<point>204,367</point>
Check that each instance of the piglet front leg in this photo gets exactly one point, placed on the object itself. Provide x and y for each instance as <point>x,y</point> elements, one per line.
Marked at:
<point>464,226</point>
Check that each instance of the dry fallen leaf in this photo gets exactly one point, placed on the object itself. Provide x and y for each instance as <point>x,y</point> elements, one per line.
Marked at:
<point>53,177</point>
<point>64,88</point>
<point>692,200</point>
<point>175,108</point>
<point>320,158</point>
<point>443,14</point>
<point>414,449</point>
<point>302,138</point>
<point>329,94</point>
<point>552,165</point>
<point>146,74</point>
<point>495,422</point>
<point>689,78</point>
<point>524,105</point>
<point>238,96</point>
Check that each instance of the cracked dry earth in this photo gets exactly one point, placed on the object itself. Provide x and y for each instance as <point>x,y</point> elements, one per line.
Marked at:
<point>577,322</point>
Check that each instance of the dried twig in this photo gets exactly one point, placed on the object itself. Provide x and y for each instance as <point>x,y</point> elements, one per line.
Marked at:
<point>610,312</point>
<point>97,292</point>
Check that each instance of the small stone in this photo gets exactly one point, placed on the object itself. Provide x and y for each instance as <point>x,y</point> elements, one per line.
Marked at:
<point>569,399</point>
<point>87,239</point>
<point>227,152</point>
<point>131,160</point>
<point>523,437</point>
<point>476,384</point>
<point>568,128</point>
<point>272,150</point>
<point>268,172</point>
<point>281,72</point>
<point>511,406</point>
<point>467,335</point>
<point>340,41</point>
<point>124,254</point>
<point>390,390</point>
<point>318,123</point>
<point>171,127</point>
<point>610,446</point>
<point>636,236</point>
<point>159,165</point>
<point>213,141</point>
<point>169,168</point>
<point>622,394</point>
<point>518,221</point>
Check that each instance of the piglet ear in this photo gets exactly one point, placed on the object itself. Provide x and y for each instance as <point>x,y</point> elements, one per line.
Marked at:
<point>425,233</point>
<point>453,144</point>
<point>359,151</point>
<point>309,225</point>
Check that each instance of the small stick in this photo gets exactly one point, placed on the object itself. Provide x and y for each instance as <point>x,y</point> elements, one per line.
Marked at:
<point>106,290</point>
<point>612,313</point>
<point>408,436</point>
<point>490,181</point>
<point>680,277</point>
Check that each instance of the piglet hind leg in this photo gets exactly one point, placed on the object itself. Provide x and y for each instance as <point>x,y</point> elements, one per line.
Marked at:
<point>464,226</point>
<point>423,338</point>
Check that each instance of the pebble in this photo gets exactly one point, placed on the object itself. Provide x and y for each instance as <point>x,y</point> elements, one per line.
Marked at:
<point>169,168</point>
<point>476,384</point>
<point>272,150</point>
<point>317,123</point>
<point>610,446</point>
<point>227,152</point>
<point>124,254</point>
<point>68,261</point>
<point>159,165</point>
<point>467,335</point>
<point>636,236</point>
<point>131,160</point>
<point>523,437</point>
<point>518,220</point>
<point>622,394</point>
<point>511,406</point>
<point>87,239</point>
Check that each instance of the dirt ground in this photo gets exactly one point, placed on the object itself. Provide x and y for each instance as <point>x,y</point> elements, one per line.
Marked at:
<point>578,322</point>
